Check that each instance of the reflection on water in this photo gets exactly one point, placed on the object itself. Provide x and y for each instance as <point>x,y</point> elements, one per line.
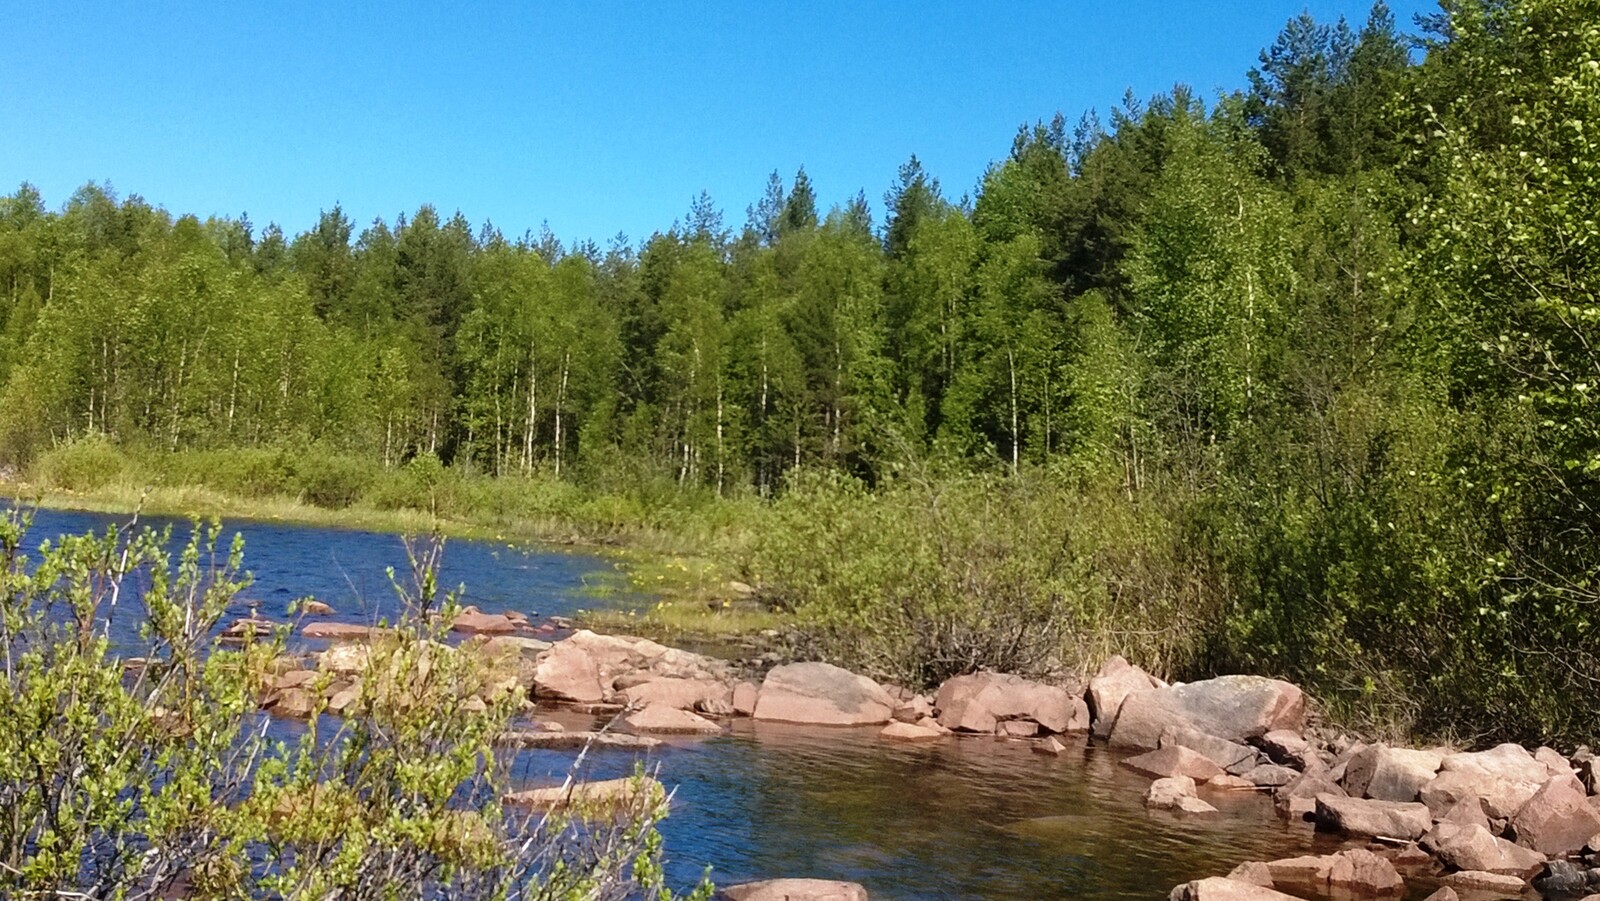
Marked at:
<point>971,818</point>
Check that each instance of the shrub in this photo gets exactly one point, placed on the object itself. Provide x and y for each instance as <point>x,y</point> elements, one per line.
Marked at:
<point>332,480</point>
<point>86,464</point>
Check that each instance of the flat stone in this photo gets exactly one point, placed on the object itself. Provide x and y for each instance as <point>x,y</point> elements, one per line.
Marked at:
<point>1174,760</point>
<point>1479,881</point>
<point>822,694</point>
<point>607,793</point>
<point>1017,729</point>
<point>1231,756</point>
<point>899,731</point>
<point>1270,775</point>
<point>560,739</point>
<point>1228,782</point>
<point>796,890</point>
<point>666,720</point>
<point>1218,888</point>
<point>337,631</point>
<point>1363,816</point>
<point>669,691</point>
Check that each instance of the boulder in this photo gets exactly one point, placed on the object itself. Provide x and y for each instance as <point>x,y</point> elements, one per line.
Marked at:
<point>670,691</point>
<point>1252,871</point>
<point>1507,761</point>
<point>668,720</point>
<point>1479,881</point>
<point>1445,893</point>
<point>1237,708</point>
<point>1174,760</point>
<point>978,701</point>
<point>1226,782</point>
<point>1286,747</point>
<point>744,698</point>
<point>344,659</point>
<point>1270,775</point>
<point>1474,847</point>
<point>1362,872</point>
<point>337,631</point>
<point>1051,746</point>
<point>1017,729</point>
<point>1218,888</point>
<point>345,698</point>
<point>1465,812</point>
<point>720,707</point>
<point>1363,816</point>
<point>796,890</point>
<point>472,622</point>
<point>1553,761</point>
<point>1557,820</point>
<point>1390,774</point>
<point>1116,680</point>
<point>568,673</point>
<point>899,731</point>
<point>822,694</point>
<point>292,702</point>
<point>315,608</point>
<point>1500,797</point>
<point>1310,870</point>
<point>1566,879</point>
<point>293,679</point>
<point>1231,756</point>
<point>1298,799</point>
<point>1175,793</point>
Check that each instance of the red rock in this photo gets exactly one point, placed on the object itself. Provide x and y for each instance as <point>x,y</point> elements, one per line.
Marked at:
<point>744,698</point>
<point>1474,847</point>
<point>293,679</point>
<point>1051,746</point>
<point>475,623</point>
<point>670,721</point>
<point>568,673</point>
<point>1499,797</point>
<point>1231,756</point>
<point>1557,820</point>
<point>315,608</point>
<point>1365,873</point>
<point>293,702</point>
<point>1466,812</point>
<point>1218,888</point>
<point>1507,761</point>
<point>822,694</point>
<point>1390,774</point>
<point>1254,872</point>
<point>683,694</point>
<point>1286,747</point>
<point>1017,728</point>
<point>1309,870</point>
<point>1478,881</point>
<point>1227,782</point>
<point>1173,761</point>
<point>1175,793</point>
<point>977,701</point>
<point>1237,708</point>
<point>1361,816</point>
<point>1116,680</point>
<point>1445,893</point>
<point>1298,799</point>
<point>1270,775</point>
<point>796,890</point>
<point>899,731</point>
<point>1554,762</point>
<point>337,631</point>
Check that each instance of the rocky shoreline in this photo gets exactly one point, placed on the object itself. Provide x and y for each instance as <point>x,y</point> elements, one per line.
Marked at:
<point>1499,823</point>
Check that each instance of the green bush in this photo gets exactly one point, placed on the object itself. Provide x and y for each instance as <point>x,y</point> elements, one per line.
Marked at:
<point>332,480</point>
<point>84,465</point>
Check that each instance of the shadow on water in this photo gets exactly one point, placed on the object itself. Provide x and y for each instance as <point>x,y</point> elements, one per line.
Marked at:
<point>971,818</point>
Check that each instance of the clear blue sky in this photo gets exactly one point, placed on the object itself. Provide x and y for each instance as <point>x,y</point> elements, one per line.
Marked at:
<point>598,117</point>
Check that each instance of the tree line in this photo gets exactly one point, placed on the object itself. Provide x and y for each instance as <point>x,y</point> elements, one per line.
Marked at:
<point>1340,325</point>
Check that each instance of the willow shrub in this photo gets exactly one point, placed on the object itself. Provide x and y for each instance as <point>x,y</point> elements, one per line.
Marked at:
<point>137,777</point>
<point>926,577</point>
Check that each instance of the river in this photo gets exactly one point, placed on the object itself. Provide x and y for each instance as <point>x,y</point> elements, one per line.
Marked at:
<point>967,818</point>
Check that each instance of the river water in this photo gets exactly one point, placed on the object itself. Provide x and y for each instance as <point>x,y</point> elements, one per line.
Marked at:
<point>961,818</point>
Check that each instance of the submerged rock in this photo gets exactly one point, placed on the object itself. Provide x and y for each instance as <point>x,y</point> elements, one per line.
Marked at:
<point>1174,760</point>
<point>796,890</point>
<point>660,718</point>
<point>1218,888</point>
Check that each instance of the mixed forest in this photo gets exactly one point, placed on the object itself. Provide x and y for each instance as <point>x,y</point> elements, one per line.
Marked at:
<point>1303,379</point>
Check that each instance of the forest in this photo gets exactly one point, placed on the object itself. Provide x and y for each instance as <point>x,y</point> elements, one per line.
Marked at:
<point>1302,379</point>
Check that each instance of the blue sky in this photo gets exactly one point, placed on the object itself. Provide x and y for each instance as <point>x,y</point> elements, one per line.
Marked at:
<point>595,117</point>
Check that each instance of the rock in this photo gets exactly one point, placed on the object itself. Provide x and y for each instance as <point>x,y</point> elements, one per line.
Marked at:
<point>1557,820</point>
<point>822,694</point>
<point>293,702</point>
<point>1507,761</point>
<point>315,608</point>
<point>1051,746</point>
<point>795,890</point>
<point>1174,760</point>
<point>1237,708</point>
<point>1231,756</point>
<point>248,629</point>
<point>616,655</point>
<point>1218,888</point>
<point>1311,870</point>
<point>1474,847</point>
<point>1017,729</point>
<point>603,794</point>
<point>475,623</point>
<point>1445,893</point>
<point>344,659</point>
<point>568,673</point>
<point>1466,812</point>
<point>1565,879</point>
<point>1286,747</point>
<point>1254,872</point>
<point>899,731</point>
<point>1499,797</point>
<point>684,694</point>
<point>293,679</point>
<point>1298,799</point>
<point>1479,881</point>
<point>978,701</point>
<point>1116,680</point>
<point>717,707</point>
<point>1270,775</point>
<point>345,698</point>
<point>744,698</point>
<point>1588,771</point>
<point>1407,821</point>
<point>553,738</point>
<point>1553,761</point>
<point>516,645</point>
<point>1175,793</point>
<point>337,631</point>
<point>1390,774</point>
<point>660,718</point>
<point>1365,873</point>
<point>1227,782</point>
